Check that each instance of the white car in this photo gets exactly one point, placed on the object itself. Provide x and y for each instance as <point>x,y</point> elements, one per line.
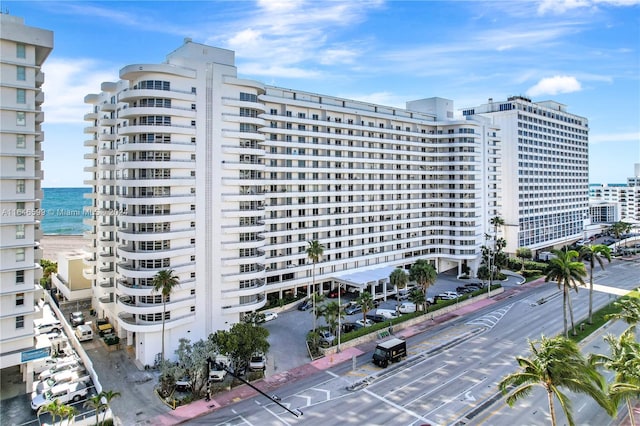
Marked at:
<point>365,323</point>
<point>270,316</point>
<point>448,295</point>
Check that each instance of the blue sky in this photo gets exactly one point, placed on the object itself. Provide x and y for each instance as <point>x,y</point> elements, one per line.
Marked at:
<point>583,53</point>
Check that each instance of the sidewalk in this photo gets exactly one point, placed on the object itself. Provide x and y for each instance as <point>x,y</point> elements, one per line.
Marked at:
<point>270,384</point>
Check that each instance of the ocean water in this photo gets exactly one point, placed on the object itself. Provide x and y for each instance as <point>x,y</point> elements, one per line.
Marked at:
<point>63,208</point>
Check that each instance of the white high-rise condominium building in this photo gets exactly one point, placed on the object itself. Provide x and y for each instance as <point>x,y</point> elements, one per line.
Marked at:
<point>545,171</point>
<point>225,181</point>
<point>625,196</point>
<point>23,50</point>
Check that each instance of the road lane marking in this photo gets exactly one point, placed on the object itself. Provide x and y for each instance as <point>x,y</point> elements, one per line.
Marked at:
<point>416,380</point>
<point>398,407</point>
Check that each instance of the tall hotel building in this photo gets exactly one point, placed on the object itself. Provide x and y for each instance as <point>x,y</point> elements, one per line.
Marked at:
<point>23,50</point>
<point>623,198</point>
<point>545,171</point>
<point>225,181</point>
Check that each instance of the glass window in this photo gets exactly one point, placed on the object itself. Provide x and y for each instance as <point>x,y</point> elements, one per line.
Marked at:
<point>21,96</point>
<point>20,231</point>
<point>21,141</point>
<point>20,186</point>
<point>21,73</point>
<point>21,50</point>
<point>19,277</point>
<point>20,254</point>
<point>20,163</point>
<point>21,118</point>
<point>19,299</point>
<point>20,321</point>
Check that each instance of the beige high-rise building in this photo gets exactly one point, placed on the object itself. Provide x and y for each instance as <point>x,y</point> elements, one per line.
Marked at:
<point>23,50</point>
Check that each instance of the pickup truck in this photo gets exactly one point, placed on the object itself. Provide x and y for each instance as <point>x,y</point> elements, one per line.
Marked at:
<point>64,393</point>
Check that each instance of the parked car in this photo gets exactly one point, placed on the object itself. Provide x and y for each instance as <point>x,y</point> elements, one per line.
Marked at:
<point>448,295</point>
<point>258,362</point>
<point>305,304</point>
<point>76,319</point>
<point>407,307</point>
<point>464,290</point>
<point>45,327</point>
<point>334,293</point>
<point>352,308</point>
<point>183,384</point>
<point>64,393</point>
<point>365,323</point>
<point>270,316</point>
<point>376,317</point>
<point>72,364</point>
<point>348,327</point>
<point>326,337</point>
<point>388,314</point>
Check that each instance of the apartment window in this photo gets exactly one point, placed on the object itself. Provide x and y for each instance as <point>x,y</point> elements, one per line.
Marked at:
<point>20,321</point>
<point>21,50</point>
<point>20,163</point>
<point>20,231</point>
<point>21,186</point>
<point>21,141</point>
<point>21,96</point>
<point>19,277</point>
<point>21,73</point>
<point>20,254</point>
<point>21,118</point>
<point>19,299</point>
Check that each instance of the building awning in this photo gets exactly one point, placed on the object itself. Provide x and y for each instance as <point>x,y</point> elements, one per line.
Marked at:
<point>362,278</point>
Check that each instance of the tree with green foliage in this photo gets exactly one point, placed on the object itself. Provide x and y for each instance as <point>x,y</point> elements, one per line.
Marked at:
<point>68,413</point>
<point>424,274</point>
<point>108,396</point>
<point>253,317</point>
<point>192,363</point>
<point>624,361</point>
<point>330,312</point>
<point>619,228</point>
<point>398,279</point>
<point>96,403</point>
<point>416,296</point>
<point>629,311</point>
<point>365,300</point>
<point>555,363</point>
<point>241,342</point>
<point>55,408</point>
<point>314,253</point>
<point>48,267</point>
<point>568,273</point>
<point>164,281</point>
<point>592,254</point>
<point>524,254</point>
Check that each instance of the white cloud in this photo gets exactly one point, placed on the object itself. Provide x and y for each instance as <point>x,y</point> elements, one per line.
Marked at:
<point>67,82</point>
<point>615,137</point>
<point>554,85</point>
<point>559,7</point>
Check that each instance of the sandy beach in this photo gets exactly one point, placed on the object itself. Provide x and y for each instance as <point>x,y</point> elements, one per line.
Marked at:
<point>53,244</point>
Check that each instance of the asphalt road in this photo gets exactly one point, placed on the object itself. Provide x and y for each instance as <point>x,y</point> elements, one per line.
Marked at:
<point>439,386</point>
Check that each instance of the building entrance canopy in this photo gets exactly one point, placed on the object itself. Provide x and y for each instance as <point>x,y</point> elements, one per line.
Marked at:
<point>362,278</point>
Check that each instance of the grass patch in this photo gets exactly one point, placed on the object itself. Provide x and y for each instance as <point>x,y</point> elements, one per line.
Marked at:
<point>585,329</point>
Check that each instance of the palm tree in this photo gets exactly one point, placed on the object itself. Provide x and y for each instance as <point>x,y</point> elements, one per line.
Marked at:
<point>566,272</point>
<point>365,300</point>
<point>523,253</point>
<point>68,413</point>
<point>555,363</point>
<point>593,254</point>
<point>398,279</point>
<point>164,281</point>
<point>629,311</point>
<point>424,274</point>
<point>55,408</point>
<point>624,361</point>
<point>108,396</point>
<point>496,221</point>
<point>95,403</point>
<point>330,313</point>
<point>314,253</point>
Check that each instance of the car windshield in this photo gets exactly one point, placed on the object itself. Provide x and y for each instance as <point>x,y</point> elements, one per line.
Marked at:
<point>48,395</point>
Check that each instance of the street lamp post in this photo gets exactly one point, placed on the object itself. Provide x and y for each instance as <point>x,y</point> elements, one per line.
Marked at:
<point>339,319</point>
